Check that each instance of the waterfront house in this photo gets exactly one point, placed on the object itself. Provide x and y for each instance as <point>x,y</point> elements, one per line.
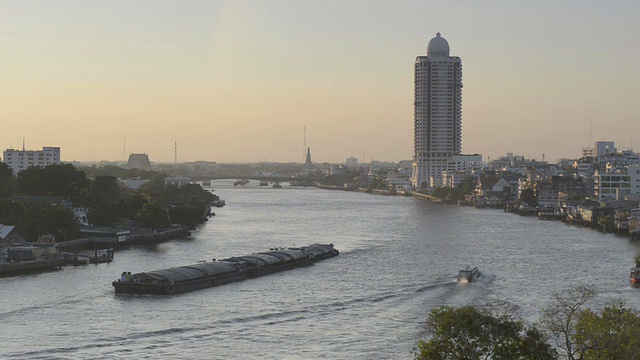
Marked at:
<point>493,184</point>
<point>634,222</point>
<point>9,235</point>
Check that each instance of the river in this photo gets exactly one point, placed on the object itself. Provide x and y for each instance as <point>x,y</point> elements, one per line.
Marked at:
<point>399,257</point>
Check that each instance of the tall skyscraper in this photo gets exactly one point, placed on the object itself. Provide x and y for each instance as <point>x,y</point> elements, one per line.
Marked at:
<point>437,113</point>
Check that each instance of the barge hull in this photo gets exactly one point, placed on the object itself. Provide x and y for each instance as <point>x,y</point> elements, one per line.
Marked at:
<point>215,273</point>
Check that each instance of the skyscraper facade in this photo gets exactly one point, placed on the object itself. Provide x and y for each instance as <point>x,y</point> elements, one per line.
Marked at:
<point>437,113</point>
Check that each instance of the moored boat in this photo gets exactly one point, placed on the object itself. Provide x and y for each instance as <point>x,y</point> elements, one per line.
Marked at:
<point>634,275</point>
<point>468,275</point>
<point>213,273</point>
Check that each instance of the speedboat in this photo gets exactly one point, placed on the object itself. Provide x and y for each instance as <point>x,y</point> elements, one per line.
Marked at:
<point>468,275</point>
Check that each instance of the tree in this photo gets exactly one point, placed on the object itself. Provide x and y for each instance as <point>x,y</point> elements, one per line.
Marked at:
<point>606,223</point>
<point>560,319</point>
<point>582,333</point>
<point>53,180</point>
<point>15,213</point>
<point>613,334</point>
<point>133,203</point>
<point>55,220</point>
<point>467,186</point>
<point>153,215</point>
<point>528,197</point>
<point>478,333</point>
<point>104,198</point>
<point>441,192</point>
<point>6,178</point>
<point>188,214</point>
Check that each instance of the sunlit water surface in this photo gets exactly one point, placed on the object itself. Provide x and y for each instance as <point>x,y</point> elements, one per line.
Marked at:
<point>399,258</point>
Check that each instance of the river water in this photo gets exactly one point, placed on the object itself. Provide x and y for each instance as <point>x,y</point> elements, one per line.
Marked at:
<point>399,258</point>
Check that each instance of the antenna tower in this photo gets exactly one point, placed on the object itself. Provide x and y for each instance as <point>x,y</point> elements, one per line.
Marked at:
<point>175,153</point>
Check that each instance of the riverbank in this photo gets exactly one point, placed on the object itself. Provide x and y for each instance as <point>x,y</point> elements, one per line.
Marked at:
<point>546,214</point>
<point>90,250</point>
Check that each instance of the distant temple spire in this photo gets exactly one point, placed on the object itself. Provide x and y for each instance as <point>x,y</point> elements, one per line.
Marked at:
<point>308,164</point>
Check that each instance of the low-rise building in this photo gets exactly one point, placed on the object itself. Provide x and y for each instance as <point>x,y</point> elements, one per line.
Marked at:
<point>176,181</point>
<point>9,235</point>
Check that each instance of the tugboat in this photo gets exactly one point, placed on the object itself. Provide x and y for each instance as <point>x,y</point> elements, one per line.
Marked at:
<point>468,275</point>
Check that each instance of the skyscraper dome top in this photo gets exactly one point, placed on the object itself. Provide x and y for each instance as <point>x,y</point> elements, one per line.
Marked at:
<point>438,46</point>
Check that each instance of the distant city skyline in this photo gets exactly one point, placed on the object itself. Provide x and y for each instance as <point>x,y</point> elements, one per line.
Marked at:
<point>237,81</point>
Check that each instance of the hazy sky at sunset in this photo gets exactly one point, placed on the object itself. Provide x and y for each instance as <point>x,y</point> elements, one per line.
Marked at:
<point>237,81</point>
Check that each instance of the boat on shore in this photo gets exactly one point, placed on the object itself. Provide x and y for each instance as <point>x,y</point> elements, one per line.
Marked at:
<point>218,272</point>
<point>634,275</point>
<point>468,275</point>
<point>241,182</point>
<point>26,259</point>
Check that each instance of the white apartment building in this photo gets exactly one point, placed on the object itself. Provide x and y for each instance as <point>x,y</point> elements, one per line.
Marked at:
<point>437,112</point>
<point>19,160</point>
<point>616,182</point>
<point>352,162</point>
<point>465,163</point>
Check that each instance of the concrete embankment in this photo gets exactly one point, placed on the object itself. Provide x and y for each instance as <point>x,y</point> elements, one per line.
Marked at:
<point>136,239</point>
<point>427,197</point>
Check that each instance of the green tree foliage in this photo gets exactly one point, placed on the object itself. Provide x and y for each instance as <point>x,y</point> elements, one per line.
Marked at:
<point>613,334</point>
<point>606,223</point>
<point>118,172</point>
<point>133,203</point>
<point>6,180</point>
<point>35,220</point>
<point>55,220</point>
<point>561,317</point>
<point>348,176</point>
<point>105,199</point>
<point>582,333</point>
<point>156,189</point>
<point>467,187</point>
<point>528,197</point>
<point>153,215</point>
<point>478,333</point>
<point>188,214</point>
<point>16,214</point>
<point>441,192</point>
<point>53,180</point>
<point>377,184</point>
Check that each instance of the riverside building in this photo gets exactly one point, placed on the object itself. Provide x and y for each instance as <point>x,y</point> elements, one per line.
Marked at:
<point>437,113</point>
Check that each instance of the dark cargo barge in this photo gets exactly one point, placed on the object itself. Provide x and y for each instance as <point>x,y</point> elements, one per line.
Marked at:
<point>213,273</point>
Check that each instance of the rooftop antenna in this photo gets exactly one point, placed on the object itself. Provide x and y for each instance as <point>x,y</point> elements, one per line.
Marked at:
<point>590,143</point>
<point>175,153</point>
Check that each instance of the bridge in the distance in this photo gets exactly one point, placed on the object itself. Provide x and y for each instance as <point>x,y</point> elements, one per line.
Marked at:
<point>258,177</point>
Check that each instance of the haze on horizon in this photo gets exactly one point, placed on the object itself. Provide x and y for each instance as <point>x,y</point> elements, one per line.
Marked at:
<point>237,81</point>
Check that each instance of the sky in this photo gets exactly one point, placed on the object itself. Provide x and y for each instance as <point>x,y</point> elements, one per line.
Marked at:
<point>239,80</point>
